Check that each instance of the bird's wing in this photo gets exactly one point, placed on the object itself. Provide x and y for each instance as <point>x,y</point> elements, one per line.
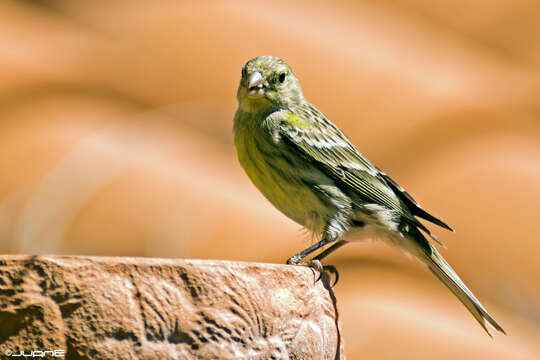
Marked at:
<point>322,142</point>
<point>412,204</point>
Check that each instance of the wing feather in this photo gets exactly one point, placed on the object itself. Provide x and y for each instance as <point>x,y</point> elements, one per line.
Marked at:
<point>340,160</point>
<point>415,208</point>
<point>322,142</point>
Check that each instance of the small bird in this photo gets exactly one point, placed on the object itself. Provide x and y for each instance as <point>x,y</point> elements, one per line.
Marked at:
<point>308,169</point>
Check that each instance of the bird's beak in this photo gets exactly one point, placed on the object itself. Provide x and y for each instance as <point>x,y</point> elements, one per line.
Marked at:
<point>254,81</point>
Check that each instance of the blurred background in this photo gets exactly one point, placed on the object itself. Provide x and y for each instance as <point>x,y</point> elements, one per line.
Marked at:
<point>115,139</point>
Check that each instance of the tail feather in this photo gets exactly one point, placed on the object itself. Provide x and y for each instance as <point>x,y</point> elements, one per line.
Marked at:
<point>444,272</point>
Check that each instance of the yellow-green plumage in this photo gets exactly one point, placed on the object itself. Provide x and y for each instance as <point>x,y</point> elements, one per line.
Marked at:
<point>308,169</point>
<point>274,179</point>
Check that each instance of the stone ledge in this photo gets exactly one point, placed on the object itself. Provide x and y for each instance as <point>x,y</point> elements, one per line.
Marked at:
<point>147,308</point>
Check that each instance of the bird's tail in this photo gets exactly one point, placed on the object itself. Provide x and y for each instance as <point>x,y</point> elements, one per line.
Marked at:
<point>448,277</point>
<point>444,272</point>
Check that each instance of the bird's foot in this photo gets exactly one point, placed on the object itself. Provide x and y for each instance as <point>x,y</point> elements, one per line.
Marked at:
<point>319,268</point>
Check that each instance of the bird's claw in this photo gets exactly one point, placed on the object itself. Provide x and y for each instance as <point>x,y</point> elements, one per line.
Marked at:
<point>319,268</point>
<point>332,269</point>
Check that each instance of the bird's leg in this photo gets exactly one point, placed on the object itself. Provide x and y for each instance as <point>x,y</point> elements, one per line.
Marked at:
<point>330,250</point>
<point>314,263</point>
<point>297,258</point>
<point>333,230</point>
<point>325,253</point>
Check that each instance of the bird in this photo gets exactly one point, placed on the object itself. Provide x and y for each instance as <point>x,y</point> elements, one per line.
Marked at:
<point>311,172</point>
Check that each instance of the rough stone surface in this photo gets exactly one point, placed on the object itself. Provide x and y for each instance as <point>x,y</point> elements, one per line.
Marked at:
<point>145,308</point>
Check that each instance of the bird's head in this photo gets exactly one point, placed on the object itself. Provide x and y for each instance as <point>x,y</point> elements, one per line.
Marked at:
<point>267,83</point>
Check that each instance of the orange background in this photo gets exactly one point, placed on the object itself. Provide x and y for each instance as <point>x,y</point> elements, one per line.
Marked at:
<point>115,139</point>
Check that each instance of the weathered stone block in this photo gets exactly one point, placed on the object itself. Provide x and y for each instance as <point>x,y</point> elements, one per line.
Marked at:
<point>145,308</point>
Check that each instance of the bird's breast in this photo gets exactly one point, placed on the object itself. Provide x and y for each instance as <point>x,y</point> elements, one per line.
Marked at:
<point>282,179</point>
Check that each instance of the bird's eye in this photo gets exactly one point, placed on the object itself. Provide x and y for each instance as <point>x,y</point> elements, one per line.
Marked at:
<point>282,77</point>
